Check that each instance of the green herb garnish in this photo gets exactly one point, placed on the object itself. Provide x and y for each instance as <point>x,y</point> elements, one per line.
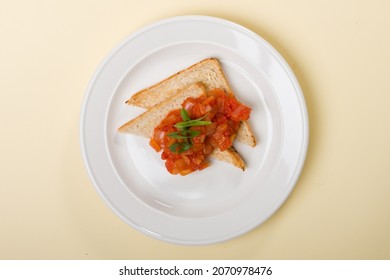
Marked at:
<point>184,134</point>
<point>184,115</point>
<point>190,123</point>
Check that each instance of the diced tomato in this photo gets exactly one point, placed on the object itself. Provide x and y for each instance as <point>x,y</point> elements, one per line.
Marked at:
<point>240,113</point>
<point>199,139</point>
<point>188,104</point>
<point>187,171</point>
<point>222,141</point>
<point>199,110</point>
<point>182,163</point>
<point>216,93</point>
<point>204,165</point>
<point>159,135</point>
<point>170,166</point>
<point>210,129</point>
<point>197,147</point>
<point>171,119</point>
<point>208,149</point>
<point>155,145</point>
<point>221,105</point>
<point>210,101</point>
<point>213,142</point>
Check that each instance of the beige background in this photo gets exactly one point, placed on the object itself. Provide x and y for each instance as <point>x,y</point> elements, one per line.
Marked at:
<point>340,52</point>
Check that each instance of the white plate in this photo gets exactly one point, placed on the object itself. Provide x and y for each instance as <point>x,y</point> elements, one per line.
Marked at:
<point>220,202</point>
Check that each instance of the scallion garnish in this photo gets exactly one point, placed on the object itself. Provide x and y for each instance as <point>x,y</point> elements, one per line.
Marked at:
<point>184,133</point>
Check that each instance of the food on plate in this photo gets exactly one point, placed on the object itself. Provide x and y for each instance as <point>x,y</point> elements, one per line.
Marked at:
<point>191,116</point>
<point>209,72</point>
<point>186,146</point>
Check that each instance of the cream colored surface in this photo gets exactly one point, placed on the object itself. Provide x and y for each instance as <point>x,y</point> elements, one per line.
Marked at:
<point>340,52</point>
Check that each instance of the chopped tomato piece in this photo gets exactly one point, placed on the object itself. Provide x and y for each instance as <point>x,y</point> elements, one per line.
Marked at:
<point>154,145</point>
<point>240,112</point>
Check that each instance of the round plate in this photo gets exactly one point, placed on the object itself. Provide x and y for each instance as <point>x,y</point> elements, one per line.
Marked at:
<point>220,202</point>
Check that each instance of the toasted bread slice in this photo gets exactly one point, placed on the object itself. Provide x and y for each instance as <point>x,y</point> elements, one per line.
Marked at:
<point>144,124</point>
<point>207,71</point>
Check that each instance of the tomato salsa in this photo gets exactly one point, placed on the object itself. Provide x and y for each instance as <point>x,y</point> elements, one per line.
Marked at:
<point>187,136</point>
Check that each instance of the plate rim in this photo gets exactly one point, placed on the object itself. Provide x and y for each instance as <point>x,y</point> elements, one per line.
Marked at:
<point>293,79</point>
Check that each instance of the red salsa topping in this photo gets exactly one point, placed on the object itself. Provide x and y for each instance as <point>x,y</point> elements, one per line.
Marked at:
<point>189,135</point>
